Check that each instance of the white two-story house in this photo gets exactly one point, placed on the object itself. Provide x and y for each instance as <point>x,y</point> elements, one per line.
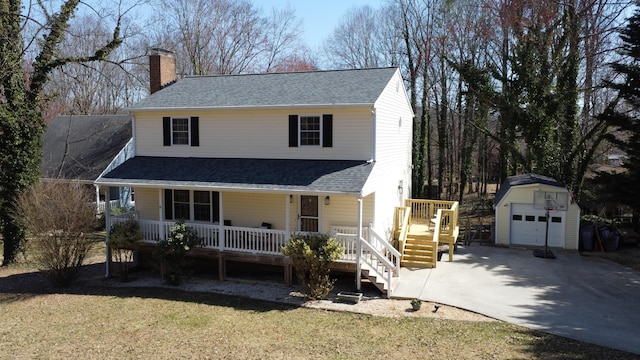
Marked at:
<point>248,160</point>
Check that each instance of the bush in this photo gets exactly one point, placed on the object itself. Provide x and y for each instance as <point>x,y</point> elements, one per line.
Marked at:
<point>170,254</point>
<point>123,239</point>
<point>59,218</point>
<point>311,255</point>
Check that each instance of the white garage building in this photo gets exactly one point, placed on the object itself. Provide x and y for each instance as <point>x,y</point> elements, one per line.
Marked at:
<point>520,210</point>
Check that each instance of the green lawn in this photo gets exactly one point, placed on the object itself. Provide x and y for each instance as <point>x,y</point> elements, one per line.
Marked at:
<point>106,322</point>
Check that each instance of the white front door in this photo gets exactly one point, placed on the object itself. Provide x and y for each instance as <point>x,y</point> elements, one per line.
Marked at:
<point>528,226</point>
<point>309,214</point>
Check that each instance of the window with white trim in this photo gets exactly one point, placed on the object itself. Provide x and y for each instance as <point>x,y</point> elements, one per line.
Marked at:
<point>192,205</point>
<point>310,131</point>
<point>201,206</point>
<point>180,131</point>
<point>181,205</point>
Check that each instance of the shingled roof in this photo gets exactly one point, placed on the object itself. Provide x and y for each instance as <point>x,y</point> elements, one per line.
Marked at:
<point>80,147</point>
<point>321,88</point>
<point>328,176</point>
<point>524,179</point>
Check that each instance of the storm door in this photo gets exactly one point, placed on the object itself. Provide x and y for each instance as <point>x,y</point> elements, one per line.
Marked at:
<point>309,213</point>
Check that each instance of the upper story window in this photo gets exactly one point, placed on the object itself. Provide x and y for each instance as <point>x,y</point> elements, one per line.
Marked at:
<point>311,130</point>
<point>180,131</point>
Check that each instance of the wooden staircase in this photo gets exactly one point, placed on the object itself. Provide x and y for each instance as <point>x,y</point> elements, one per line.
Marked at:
<point>376,277</point>
<point>420,251</point>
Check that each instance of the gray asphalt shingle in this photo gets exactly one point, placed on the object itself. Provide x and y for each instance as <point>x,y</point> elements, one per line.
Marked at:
<point>80,147</point>
<point>341,176</point>
<point>337,87</point>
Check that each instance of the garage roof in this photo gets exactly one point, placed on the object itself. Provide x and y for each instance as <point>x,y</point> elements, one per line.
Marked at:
<point>525,179</point>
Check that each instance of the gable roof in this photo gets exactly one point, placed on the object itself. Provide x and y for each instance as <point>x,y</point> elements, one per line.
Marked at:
<point>524,179</point>
<point>286,175</point>
<point>313,88</point>
<point>80,147</point>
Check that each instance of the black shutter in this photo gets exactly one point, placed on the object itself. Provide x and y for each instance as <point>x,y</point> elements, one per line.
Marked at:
<point>327,130</point>
<point>216,206</point>
<point>195,132</point>
<point>293,130</point>
<point>166,130</point>
<point>168,204</point>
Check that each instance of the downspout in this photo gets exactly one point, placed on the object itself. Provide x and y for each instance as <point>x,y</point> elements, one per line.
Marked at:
<point>107,221</point>
<point>359,246</point>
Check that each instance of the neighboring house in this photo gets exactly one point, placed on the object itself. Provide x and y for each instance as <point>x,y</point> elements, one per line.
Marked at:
<point>81,147</point>
<point>248,160</point>
<point>520,213</point>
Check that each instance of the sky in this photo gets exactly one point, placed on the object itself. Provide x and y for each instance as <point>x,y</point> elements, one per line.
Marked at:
<point>319,17</point>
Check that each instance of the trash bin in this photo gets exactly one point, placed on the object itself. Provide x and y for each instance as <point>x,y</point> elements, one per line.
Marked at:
<point>586,238</point>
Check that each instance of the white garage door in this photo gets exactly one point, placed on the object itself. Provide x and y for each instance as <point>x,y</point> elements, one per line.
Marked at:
<point>528,226</point>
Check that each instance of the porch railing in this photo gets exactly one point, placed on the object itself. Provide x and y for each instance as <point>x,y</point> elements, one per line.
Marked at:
<point>425,210</point>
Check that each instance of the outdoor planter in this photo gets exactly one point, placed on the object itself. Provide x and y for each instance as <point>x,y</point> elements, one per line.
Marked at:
<point>352,297</point>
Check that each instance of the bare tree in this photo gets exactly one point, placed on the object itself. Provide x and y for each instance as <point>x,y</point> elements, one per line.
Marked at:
<point>355,43</point>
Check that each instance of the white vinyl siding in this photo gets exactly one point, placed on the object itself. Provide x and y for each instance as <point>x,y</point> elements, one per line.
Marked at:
<point>390,179</point>
<point>257,134</point>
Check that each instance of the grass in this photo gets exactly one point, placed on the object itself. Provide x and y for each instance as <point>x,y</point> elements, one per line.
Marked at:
<point>111,322</point>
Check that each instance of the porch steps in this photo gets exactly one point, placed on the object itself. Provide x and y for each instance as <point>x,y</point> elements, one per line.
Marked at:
<point>420,252</point>
<point>375,277</point>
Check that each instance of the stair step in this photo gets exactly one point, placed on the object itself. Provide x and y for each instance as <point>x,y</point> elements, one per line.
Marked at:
<point>417,264</point>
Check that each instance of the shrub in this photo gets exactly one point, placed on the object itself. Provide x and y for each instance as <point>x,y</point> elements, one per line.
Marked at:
<point>311,255</point>
<point>170,254</point>
<point>123,239</point>
<point>59,218</point>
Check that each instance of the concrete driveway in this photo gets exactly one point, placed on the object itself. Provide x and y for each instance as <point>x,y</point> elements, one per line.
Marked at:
<point>579,297</point>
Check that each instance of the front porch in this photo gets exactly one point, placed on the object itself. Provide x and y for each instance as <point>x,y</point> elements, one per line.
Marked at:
<point>420,227</point>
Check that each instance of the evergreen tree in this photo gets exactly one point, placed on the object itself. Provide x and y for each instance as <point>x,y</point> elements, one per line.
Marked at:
<point>623,116</point>
<point>21,103</point>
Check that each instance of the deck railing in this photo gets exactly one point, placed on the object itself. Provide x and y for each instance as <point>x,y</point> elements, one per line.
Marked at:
<point>425,210</point>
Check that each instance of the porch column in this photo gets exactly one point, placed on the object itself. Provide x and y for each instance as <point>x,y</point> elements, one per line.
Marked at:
<point>160,214</point>
<point>97,198</point>
<point>107,222</point>
<point>221,234</point>
<point>287,217</point>
<point>359,245</point>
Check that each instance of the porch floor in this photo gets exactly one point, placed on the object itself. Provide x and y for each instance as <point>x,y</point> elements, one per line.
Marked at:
<point>421,228</point>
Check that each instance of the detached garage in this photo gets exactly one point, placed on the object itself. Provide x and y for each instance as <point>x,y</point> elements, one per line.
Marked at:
<point>520,209</point>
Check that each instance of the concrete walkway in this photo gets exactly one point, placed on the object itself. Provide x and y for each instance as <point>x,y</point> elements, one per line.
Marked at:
<point>579,297</point>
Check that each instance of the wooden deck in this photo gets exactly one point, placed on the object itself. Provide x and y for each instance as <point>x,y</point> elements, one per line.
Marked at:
<point>429,224</point>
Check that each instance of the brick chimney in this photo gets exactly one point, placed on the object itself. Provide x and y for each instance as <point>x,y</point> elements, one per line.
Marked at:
<point>162,69</point>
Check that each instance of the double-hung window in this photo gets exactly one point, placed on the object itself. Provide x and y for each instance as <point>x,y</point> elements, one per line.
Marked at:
<point>192,205</point>
<point>310,134</point>
<point>181,204</point>
<point>311,130</point>
<point>180,131</point>
<point>201,206</point>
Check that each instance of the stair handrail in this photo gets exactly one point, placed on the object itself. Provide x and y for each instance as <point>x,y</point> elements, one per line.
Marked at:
<point>389,249</point>
<point>404,228</point>
<point>388,266</point>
